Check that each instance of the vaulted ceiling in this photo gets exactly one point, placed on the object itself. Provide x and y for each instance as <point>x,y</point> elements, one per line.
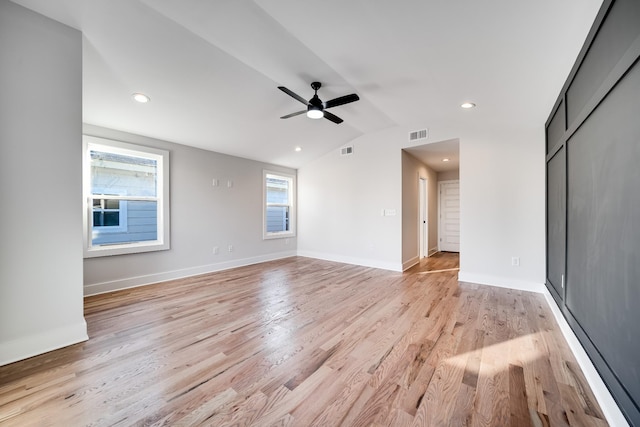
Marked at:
<point>211,68</point>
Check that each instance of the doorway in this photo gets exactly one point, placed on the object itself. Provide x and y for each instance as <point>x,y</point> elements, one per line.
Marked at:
<point>423,192</point>
<point>423,167</point>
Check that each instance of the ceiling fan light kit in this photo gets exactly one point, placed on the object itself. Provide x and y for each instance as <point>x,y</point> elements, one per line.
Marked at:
<point>315,107</point>
<point>314,112</point>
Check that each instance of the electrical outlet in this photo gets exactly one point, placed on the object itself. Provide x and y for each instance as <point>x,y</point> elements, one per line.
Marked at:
<point>216,251</point>
<point>230,248</point>
<point>215,182</point>
<point>515,261</point>
<point>229,183</point>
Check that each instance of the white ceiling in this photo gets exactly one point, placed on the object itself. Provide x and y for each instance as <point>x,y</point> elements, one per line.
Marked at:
<point>212,68</point>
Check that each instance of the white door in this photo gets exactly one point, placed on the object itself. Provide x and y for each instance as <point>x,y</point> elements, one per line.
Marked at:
<point>449,206</point>
<point>422,217</point>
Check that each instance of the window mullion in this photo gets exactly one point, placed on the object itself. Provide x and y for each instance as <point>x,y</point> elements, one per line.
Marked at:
<point>115,197</point>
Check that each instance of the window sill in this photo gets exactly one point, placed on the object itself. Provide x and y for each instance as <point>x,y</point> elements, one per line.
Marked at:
<point>130,248</point>
<point>283,235</point>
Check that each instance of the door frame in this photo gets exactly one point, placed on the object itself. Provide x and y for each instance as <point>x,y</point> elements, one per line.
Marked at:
<point>423,217</point>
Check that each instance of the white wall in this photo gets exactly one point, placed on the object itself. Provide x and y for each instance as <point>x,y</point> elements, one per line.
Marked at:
<point>202,216</point>
<point>502,205</point>
<point>341,199</point>
<point>41,305</point>
<point>412,170</point>
<point>502,179</point>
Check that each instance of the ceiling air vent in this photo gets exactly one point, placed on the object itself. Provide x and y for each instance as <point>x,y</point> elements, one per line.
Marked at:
<point>418,134</point>
<point>346,151</point>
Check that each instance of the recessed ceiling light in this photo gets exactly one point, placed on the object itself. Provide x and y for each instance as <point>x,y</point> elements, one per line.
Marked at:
<point>468,105</point>
<point>445,159</point>
<point>298,148</point>
<point>141,97</point>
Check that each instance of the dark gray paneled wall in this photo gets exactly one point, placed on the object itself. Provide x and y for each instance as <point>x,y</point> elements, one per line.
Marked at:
<point>603,242</point>
<point>593,200</point>
<point>556,208</point>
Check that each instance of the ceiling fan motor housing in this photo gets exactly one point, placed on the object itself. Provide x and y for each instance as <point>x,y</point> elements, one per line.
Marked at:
<point>315,103</point>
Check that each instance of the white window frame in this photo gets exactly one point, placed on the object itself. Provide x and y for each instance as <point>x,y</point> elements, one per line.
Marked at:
<point>163,233</point>
<point>291,204</point>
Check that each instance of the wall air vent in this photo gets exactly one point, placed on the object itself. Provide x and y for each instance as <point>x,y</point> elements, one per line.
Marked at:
<point>346,151</point>
<point>418,134</point>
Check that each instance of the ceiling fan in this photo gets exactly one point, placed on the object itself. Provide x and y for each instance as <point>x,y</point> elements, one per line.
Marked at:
<point>316,109</point>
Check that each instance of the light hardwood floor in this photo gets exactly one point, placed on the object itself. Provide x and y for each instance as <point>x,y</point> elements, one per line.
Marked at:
<point>304,342</point>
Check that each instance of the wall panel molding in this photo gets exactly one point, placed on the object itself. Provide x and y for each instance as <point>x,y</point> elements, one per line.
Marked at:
<point>594,192</point>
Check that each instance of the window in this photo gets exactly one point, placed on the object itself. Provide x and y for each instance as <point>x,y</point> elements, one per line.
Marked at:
<point>126,198</point>
<point>279,211</point>
<point>109,216</point>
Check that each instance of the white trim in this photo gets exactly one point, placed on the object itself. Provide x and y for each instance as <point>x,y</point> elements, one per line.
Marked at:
<point>23,348</point>
<point>608,405</point>
<point>502,282</point>
<point>162,198</point>
<point>423,216</point>
<point>410,263</point>
<point>134,282</point>
<point>39,343</point>
<point>433,251</point>
<point>122,213</point>
<point>365,262</point>
<point>292,206</point>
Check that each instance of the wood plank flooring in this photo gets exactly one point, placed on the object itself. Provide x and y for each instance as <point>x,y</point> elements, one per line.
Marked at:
<point>304,342</point>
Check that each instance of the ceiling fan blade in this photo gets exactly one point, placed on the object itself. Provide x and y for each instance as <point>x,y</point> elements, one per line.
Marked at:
<point>332,117</point>
<point>293,95</point>
<point>342,100</point>
<point>293,114</point>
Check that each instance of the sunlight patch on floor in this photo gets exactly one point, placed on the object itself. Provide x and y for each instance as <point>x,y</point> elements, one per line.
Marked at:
<point>496,358</point>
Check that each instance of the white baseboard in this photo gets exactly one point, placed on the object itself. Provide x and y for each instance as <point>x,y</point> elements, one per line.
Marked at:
<point>502,282</point>
<point>42,342</point>
<point>433,251</point>
<point>408,264</point>
<point>365,262</point>
<point>609,407</point>
<point>26,347</point>
<point>133,282</point>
